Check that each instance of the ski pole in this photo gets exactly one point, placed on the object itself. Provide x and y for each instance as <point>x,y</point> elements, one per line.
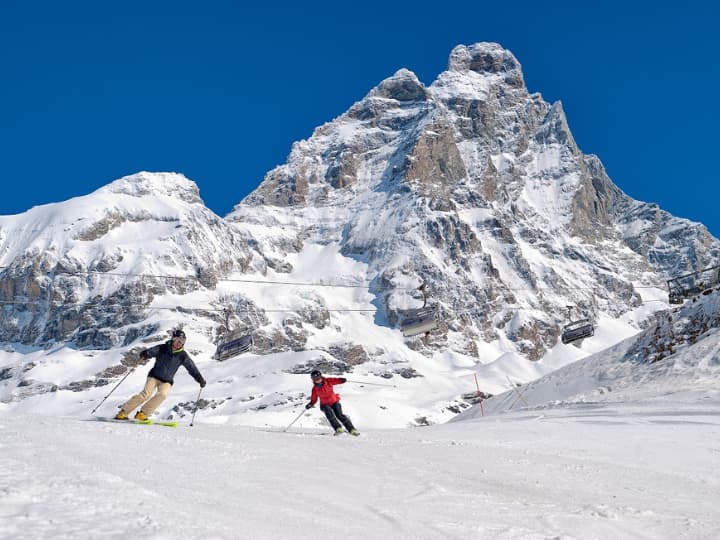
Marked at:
<point>111,391</point>
<point>196,407</point>
<point>296,419</point>
<point>480,397</point>
<point>372,383</point>
<point>519,394</point>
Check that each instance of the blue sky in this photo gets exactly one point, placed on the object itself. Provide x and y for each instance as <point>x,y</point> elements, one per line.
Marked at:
<point>93,91</point>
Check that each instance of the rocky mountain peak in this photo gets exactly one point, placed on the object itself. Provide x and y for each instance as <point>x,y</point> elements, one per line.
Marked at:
<point>477,188</point>
<point>486,59</point>
<point>145,183</point>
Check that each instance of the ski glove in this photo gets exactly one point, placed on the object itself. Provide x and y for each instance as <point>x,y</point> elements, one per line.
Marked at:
<point>309,406</point>
<point>202,383</point>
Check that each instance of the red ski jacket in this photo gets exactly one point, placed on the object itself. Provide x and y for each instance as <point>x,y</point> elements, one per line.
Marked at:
<point>325,392</point>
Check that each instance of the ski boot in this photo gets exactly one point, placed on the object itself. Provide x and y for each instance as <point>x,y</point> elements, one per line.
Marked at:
<point>122,415</point>
<point>141,416</point>
<point>339,431</point>
<point>354,432</point>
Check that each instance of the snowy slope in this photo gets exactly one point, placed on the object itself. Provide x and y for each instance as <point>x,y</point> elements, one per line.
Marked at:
<point>577,472</point>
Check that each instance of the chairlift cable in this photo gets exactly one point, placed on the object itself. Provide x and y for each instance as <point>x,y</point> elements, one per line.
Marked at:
<point>183,308</point>
<point>229,280</point>
<point>305,283</point>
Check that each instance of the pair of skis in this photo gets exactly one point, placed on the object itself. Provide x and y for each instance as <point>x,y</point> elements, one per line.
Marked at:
<point>147,422</point>
<point>308,433</point>
<point>334,432</point>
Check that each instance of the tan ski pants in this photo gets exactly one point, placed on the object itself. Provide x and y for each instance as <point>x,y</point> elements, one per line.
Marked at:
<point>152,384</point>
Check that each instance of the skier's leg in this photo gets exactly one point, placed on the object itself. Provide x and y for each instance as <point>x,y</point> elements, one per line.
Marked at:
<point>337,409</point>
<point>327,409</point>
<point>137,399</point>
<point>163,389</point>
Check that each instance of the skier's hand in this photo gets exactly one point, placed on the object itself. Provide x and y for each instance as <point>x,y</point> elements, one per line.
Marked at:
<point>202,383</point>
<point>143,354</point>
<point>309,406</point>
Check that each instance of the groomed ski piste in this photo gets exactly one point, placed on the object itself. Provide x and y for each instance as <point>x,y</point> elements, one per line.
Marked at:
<point>610,446</point>
<point>602,470</point>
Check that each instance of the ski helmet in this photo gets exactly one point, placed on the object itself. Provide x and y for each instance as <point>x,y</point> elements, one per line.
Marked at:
<point>179,334</point>
<point>315,374</point>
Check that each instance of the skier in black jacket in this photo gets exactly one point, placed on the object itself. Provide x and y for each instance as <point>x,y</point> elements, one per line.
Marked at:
<point>168,358</point>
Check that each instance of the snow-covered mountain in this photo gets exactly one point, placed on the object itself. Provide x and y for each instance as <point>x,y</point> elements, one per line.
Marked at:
<point>475,187</point>
<point>472,186</point>
<point>70,269</point>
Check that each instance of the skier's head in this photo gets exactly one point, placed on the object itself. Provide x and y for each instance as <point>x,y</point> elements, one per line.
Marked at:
<point>316,376</point>
<point>178,340</point>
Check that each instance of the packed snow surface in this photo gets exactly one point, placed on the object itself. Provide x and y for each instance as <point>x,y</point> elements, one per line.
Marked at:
<point>619,470</point>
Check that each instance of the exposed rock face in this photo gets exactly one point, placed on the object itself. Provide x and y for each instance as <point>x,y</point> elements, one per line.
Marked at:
<point>352,355</point>
<point>435,162</point>
<point>282,188</point>
<point>403,86</point>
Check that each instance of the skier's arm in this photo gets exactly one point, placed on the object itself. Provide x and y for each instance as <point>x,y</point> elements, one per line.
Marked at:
<point>313,397</point>
<point>193,370</point>
<point>336,380</point>
<point>152,352</point>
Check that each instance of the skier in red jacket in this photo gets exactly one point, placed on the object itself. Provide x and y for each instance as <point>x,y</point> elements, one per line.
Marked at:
<point>330,402</point>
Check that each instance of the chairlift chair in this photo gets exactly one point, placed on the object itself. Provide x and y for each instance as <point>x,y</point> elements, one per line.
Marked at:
<point>681,288</point>
<point>232,344</point>
<point>421,320</point>
<point>577,330</point>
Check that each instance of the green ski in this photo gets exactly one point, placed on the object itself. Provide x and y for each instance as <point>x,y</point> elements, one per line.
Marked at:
<point>149,422</point>
<point>133,421</point>
<point>166,424</point>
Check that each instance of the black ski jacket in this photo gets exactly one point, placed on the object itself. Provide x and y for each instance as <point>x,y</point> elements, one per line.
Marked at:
<point>167,363</point>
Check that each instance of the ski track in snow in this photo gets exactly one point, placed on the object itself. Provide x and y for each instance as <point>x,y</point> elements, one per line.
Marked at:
<point>610,471</point>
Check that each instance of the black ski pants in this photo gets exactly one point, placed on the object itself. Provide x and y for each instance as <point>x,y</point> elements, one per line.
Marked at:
<point>335,415</point>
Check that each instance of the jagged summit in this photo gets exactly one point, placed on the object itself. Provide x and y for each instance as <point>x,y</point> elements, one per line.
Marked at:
<point>482,57</point>
<point>401,121</point>
<point>474,71</point>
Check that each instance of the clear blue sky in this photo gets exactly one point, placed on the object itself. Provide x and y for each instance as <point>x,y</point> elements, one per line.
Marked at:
<point>95,90</point>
